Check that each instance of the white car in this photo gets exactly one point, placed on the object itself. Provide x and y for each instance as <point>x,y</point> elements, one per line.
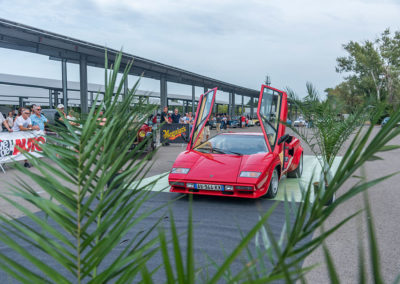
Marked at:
<point>299,122</point>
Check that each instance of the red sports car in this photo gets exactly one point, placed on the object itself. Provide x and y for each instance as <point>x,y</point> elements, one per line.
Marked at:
<point>239,164</point>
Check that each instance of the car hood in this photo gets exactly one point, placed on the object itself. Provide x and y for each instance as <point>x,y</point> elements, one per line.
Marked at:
<point>217,167</point>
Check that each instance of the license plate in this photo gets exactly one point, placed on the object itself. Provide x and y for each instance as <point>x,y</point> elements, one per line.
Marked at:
<point>215,187</point>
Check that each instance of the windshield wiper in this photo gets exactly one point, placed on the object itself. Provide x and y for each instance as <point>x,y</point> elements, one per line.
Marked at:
<point>226,151</point>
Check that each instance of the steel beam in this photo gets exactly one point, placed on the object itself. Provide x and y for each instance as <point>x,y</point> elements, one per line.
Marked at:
<point>233,104</point>
<point>51,105</point>
<point>163,93</point>
<point>64,84</point>
<point>193,98</point>
<point>251,107</point>
<point>83,84</point>
<point>230,104</point>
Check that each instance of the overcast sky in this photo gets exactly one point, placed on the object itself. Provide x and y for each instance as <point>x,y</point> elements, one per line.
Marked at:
<point>235,41</point>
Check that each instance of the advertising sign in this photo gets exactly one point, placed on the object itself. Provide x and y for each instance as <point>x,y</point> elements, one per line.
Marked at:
<point>12,143</point>
<point>172,133</point>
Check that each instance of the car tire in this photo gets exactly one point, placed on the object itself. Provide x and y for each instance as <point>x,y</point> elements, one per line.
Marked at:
<point>273,185</point>
<point>298,171</point>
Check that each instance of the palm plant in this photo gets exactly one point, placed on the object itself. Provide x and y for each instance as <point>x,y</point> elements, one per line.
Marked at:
<point>90,220</point>
<point>85,222</point>
<point>328,129</point>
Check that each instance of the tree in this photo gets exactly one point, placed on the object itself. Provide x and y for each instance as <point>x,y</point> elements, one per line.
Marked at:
<point>373,68</point>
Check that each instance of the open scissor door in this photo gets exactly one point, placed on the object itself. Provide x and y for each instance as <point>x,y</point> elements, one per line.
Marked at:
<point>203,113</point>
<point>271,111</point>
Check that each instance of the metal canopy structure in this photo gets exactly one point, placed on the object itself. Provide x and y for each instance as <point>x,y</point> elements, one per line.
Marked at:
<point>13,87</point>
<point>25,38</point>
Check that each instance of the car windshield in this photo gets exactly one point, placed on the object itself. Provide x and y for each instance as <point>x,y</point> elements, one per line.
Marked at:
<point>234,144</point>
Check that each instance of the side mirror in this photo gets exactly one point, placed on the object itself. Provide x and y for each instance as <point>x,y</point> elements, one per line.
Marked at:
<point>283,138</point>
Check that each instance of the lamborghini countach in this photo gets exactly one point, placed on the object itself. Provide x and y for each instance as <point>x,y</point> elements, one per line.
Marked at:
<point>241,164</point>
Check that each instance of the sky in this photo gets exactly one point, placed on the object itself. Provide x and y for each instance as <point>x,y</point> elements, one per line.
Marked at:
<point>240,42</point>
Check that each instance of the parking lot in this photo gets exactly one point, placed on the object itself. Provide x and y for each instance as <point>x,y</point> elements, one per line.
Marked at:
<point>213,213</point>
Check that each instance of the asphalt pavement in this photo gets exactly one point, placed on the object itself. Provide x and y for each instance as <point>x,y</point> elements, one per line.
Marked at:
<point>343,245</point>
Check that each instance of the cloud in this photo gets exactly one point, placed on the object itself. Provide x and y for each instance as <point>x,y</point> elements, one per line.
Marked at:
<point>236,41</point>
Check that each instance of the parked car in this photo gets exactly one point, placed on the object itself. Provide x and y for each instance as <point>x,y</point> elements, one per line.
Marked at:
<point>299,122</point>
<point>49,114</point>
<point>213,124</point>
<point>385,120</point>
<point>234,122</point>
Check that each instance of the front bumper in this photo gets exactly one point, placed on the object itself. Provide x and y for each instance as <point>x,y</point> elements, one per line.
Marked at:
<point>255,193</point>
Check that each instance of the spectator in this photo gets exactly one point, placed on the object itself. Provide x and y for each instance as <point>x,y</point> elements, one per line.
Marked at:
<point>185,119</point>
<point>24,123</point>
<point>223,121</point>
<point>60,116</point>
<point>71,117</point>
<point>38,118</point>
<point>5,122</point>
<point>165,116</point>
<point>31,109</point>
<point>218,123</point>
<point>19,113</point>
<point>10,119</point>
<point>207,130</point>
<point>176,116</point>
<point>243,119</point>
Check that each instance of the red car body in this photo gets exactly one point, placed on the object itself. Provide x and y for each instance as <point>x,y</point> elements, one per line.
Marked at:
<point>213,173</point>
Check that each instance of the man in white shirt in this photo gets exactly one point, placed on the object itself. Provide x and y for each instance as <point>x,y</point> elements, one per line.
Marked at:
<point>23,122</point>
<point>4,121</point>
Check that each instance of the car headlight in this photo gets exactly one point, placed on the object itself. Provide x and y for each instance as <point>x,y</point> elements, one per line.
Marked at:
<point>180,170</point>
<point>250,174</point>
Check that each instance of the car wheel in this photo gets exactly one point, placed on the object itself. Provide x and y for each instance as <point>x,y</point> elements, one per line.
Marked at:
<point>298,171</point>
<point>273,185</point>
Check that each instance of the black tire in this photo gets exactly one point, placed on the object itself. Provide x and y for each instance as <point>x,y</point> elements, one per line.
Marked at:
<point>298,171</point>
<point>273,185</point>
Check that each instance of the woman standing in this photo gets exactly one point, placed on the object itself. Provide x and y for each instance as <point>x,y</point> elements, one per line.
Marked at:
<point>10,119</point>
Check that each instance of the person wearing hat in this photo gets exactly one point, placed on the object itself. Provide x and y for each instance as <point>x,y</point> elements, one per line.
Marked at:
<point>59,118</point>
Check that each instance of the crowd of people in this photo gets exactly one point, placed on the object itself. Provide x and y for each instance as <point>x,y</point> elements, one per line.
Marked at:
<point>28,119</point>
<point>220,121</point>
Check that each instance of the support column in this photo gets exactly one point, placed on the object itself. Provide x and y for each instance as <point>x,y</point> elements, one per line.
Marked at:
<point>193,99</point>
<point>242,105</point>
<point>55,98</point>
<point>126,90</point>
<point>91,99</point>
<point>252,107</point>
<point>83,84</point>
<point>233,104</point>
<point>51,105</point>
<point>64,83</point>
<point>205,90</point>
<point>163,93</point>
<point>230,104</point>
